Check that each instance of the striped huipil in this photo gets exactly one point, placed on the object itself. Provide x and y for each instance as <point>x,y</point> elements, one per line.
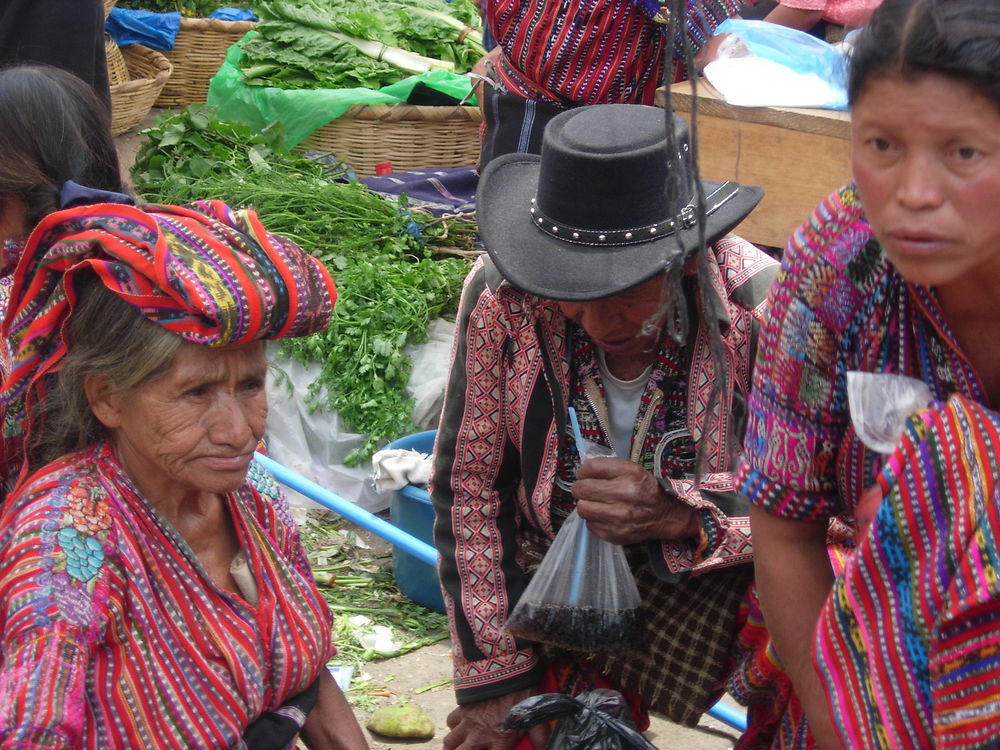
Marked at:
<point>908,643</point>
<point>113,636</point>
<point>837,305</point>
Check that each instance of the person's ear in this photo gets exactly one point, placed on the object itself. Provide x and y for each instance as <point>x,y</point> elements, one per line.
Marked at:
<point>104,399</point>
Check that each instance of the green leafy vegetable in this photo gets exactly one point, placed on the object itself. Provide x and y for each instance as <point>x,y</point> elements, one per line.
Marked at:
<point>358,43</point>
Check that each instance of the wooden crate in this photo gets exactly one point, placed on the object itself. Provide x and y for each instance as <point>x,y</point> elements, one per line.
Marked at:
<point>798,156</point>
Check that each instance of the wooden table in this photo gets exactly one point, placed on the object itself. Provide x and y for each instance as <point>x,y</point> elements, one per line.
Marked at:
<point>797,155</point>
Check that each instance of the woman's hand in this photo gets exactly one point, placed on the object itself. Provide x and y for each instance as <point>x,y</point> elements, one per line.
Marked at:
<point>478,726</point>
<point>624,504</point>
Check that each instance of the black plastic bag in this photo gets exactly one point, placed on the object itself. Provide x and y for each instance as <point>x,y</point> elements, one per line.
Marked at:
<point>594,720</point>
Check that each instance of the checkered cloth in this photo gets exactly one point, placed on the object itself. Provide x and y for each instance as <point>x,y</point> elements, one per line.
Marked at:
<point>680,663</point>
<point>682,660</point>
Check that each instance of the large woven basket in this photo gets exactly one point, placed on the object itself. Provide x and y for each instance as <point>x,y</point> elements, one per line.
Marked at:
<point>407,135</point>
<point>198,53</point>
<point>108,5</point>
<point>133,97</point>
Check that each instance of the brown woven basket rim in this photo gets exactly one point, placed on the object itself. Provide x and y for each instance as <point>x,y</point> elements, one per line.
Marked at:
<point>216,24</point>
<point>157,59</point>
<point>422,112</point>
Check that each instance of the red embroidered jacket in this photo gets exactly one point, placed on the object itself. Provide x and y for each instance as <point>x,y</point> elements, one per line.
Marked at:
<point>497,453</point>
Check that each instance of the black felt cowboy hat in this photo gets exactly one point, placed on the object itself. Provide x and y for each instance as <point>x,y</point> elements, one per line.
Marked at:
<point>605,206</point>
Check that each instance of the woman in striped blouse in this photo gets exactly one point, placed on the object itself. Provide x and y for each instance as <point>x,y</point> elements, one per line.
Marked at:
<point>151,593</point>
<point>897,274</point>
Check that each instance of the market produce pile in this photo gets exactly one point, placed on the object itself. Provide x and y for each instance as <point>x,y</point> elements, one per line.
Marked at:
<point>396,269</point>
<point>309,44</point>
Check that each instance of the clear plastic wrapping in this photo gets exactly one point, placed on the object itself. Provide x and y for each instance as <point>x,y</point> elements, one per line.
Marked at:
<point>583,595</point>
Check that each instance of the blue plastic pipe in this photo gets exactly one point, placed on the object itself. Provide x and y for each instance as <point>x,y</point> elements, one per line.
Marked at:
<point>728,715</point>
<point>419,549</point>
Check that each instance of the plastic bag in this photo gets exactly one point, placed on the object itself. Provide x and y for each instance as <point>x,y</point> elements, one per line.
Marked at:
<point>301,111</point>
<point>313,443</point>
<point>155,30</point>
<point>881,403</point>
<point>597,719</point>
<point>233,14</point>
<point>583,595</point>
<point>766,64</point>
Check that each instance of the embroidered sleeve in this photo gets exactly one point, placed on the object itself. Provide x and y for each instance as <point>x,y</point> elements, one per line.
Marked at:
<point>725,537</point>
<point>59,582</point>
<point>476,526</point>
<point>797,413</point>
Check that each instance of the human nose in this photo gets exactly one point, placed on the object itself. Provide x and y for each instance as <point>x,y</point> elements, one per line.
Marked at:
<point>596,318</point>
<point>229,423</point>
<point>919,183</point>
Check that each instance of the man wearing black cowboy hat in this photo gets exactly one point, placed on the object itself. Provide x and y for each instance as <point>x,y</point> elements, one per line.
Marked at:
<point>595,296</point>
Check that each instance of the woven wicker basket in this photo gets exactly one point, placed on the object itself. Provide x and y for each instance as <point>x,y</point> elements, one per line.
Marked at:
<point>117,67</point>
<point>108,5</point>
<point>198,53</point>
<point>407,135</point>
<point>132,99</point>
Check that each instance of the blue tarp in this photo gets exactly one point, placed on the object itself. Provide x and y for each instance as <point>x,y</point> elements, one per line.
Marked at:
<point>155,30</point>
<point>158,30</point>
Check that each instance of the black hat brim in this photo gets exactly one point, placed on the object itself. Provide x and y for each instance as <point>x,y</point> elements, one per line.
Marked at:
<point>538,263</point>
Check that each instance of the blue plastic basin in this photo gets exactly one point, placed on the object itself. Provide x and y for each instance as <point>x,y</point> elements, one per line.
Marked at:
<point>410,510</point>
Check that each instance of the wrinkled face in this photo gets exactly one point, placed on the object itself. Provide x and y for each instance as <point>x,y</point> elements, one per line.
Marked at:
<point>926,157</point>
<point>195,428</point>
<point>618,324</point>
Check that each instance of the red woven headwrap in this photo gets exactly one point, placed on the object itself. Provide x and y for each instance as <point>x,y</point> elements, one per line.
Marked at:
<point>208,273</point>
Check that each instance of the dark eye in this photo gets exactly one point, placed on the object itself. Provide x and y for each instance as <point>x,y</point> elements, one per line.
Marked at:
<point>196,392</point>
<point>966,152</point>
<point>252,385</point>
<point>881,144</point>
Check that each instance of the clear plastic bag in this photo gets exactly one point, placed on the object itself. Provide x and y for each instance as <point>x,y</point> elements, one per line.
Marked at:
<point>583,595</point>
<point>880,405</point>
<point>597,719</point>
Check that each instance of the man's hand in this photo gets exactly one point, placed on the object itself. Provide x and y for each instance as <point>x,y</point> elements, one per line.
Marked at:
<point>478,726</point>
<point>624,504</point>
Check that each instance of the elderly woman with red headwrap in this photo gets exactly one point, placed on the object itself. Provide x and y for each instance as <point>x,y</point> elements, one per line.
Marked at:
<point>151,594</point>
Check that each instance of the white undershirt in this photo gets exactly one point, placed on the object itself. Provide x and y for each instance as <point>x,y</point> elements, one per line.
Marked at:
<point>623,398</point>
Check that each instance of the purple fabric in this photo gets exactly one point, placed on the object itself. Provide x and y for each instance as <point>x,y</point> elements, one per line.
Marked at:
<point>439,191</point>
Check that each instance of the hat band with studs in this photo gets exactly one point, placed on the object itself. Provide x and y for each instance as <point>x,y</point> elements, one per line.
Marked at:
<point>687,218</point>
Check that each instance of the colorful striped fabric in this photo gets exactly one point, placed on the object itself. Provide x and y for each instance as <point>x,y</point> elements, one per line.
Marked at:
<point>590,51</point>
<point>909,641</point>
<point>113,636</point>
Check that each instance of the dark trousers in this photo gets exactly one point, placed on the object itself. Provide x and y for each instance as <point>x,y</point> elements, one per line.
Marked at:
<point>67,34</point>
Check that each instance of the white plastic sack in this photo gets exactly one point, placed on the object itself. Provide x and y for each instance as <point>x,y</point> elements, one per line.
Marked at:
<point>430,372</point>
<point>763,64</point>
<point>316,444</point>
<point>313,445</point>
